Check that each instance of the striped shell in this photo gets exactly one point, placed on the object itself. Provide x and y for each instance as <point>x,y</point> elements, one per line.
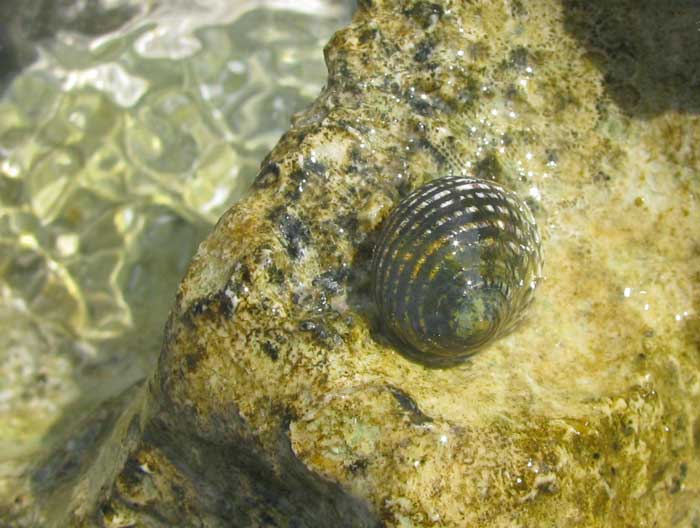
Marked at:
<point>455,267</point>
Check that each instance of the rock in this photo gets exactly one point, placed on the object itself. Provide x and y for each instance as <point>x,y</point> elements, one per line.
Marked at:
<point>277,401</point>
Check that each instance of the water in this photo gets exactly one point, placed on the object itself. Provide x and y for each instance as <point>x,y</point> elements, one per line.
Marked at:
<point>127,131</point>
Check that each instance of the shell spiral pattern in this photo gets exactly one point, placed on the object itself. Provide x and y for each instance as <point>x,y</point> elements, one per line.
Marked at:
<point>455,267</point>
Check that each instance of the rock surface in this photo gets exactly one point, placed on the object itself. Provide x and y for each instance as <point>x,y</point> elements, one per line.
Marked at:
<point>277,401</point>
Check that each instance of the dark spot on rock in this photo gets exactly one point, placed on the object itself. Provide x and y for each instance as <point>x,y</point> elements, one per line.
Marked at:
<point>677,481</point>
<point>358,466</point>
<point>468,95</point>
<point>349,223</point>
<point>489,168</point>
<point>131,475</point>
<point>107,511</point>
<point>193,360</point>
<point>203,308</point>
<point>307,326</point>
<point>517,8</point>
<point>320,332</point>
<point>227,298</point>
<point>421,105</point>
<point>271,350</point>
<point>344,68</point>
<point>676,485</point>
<point>286,413</point>
<point>487,92</point>
<point>314,167</point>
<point>299,180</point>
<point>294,194</point>
<point>322,302</point>
<point>601,177</point>
<point>268,176</point>
<point>295,233</point>
<point>436,153</point>
<point>275,275</point>
<point>423,50</point>
<point>241,274</point>
<point>518,58</point>
<point>409,405</point>
<point>367,35</point>
<point>424,13</point>
<point>512,93</point>
<point>226,303</point>
<point>199,306</point>
<point>356,153</point>
<point>332,281</point>
<point>317,329</point>
<point>601,107</point>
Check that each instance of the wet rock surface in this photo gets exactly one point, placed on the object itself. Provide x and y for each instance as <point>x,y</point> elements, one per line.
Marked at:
<point>277,401</point>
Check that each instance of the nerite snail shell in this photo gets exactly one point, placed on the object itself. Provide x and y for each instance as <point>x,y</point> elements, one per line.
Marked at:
<point>455,267</point>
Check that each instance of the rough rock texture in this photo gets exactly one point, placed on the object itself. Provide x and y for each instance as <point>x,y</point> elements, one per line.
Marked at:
<point>278,402</point>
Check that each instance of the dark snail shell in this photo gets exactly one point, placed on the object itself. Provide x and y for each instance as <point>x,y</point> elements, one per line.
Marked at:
<point>455,267</point>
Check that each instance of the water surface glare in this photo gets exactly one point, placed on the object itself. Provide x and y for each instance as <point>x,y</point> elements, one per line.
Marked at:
<point>119,149</point>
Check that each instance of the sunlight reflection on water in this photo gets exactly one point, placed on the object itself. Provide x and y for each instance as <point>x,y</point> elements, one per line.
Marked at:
<point>118,151</point>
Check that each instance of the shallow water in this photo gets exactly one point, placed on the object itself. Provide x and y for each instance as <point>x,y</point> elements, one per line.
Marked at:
<point>120,146</point>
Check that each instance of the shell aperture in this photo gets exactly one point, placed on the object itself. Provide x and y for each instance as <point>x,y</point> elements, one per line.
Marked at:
<point>455,267</point>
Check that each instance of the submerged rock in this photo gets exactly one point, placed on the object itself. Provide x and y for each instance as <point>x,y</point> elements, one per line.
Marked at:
<point>277,400</point>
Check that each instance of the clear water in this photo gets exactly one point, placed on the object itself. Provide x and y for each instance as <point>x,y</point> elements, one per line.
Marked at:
<point>120,146</point>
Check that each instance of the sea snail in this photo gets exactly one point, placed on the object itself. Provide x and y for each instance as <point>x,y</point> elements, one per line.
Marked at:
<point>455,267</point>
